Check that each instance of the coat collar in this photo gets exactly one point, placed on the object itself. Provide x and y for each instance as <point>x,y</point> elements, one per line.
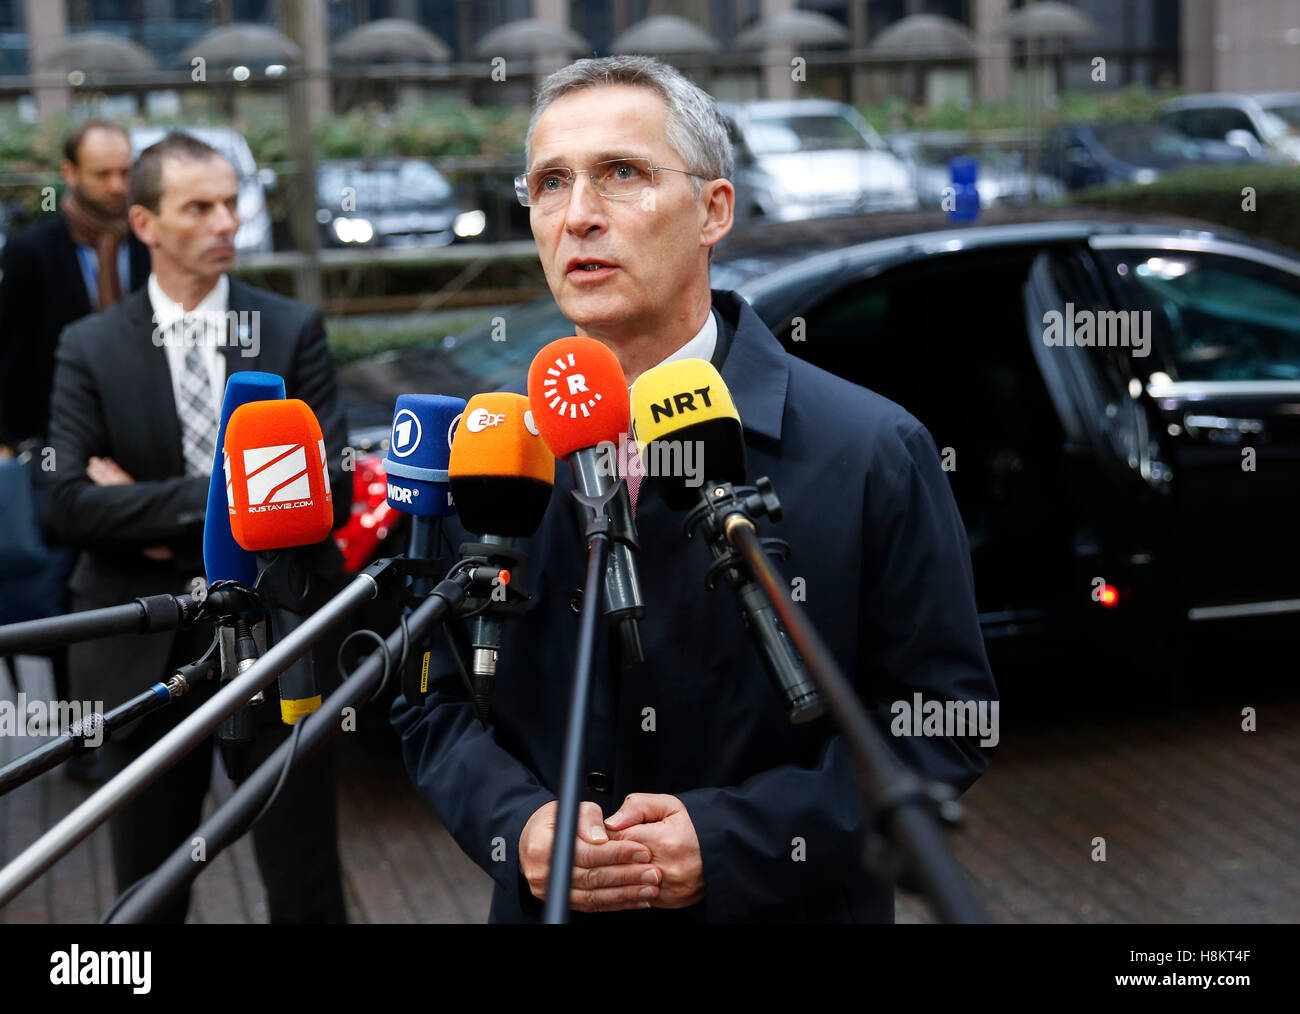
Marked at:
<point>756,369</point>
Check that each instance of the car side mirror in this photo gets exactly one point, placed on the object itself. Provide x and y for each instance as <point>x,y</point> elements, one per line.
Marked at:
<point>1243,139</point>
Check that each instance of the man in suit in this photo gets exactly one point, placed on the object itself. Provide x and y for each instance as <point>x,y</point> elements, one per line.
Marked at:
<point>702,801</point>
<point>50,273</point>
<point>133,426</point>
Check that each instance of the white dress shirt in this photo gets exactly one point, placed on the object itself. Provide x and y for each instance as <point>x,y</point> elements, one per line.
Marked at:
<point>210,316</point>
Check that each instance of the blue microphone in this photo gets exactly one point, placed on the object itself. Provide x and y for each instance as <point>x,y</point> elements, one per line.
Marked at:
<point>223,559</point>
<point>419,453</point>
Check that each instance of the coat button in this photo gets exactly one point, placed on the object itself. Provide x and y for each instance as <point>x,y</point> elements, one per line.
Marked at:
<point>575,601</point>
<point>598,781</point>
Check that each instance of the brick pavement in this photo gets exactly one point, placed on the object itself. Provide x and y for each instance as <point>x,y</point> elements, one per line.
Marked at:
<point>1201,823</point>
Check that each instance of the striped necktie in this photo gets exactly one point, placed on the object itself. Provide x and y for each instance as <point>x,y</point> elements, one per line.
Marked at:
<point>198,423</point>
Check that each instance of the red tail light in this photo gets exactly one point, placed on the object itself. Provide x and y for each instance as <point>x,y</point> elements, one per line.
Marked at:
<point>371,516</point>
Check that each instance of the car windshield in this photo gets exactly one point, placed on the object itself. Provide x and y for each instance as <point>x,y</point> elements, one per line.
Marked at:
<point>775,135</point>
<point>1284,119</point>
<point>1138,142</point>
<point>413,182</point>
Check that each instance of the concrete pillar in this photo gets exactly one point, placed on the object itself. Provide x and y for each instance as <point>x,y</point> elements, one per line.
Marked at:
<point>777,80</point>
<point>859,75</point>
<point>47,24</point>
<point>556,11</point>
<point>993,63</point>
<point>315,51</point>
<point>1196,52</point>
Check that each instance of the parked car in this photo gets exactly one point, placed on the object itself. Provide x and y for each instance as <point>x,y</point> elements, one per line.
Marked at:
<point>1003,176</point>
<point>1104,493</point>
<point>391,202</point>
<point>1086,155</point>
<point>1262,124</point>
<point>809,159</point>
<point>254,235</point>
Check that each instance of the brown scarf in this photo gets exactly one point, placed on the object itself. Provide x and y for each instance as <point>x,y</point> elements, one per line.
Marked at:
<point>91,227</point>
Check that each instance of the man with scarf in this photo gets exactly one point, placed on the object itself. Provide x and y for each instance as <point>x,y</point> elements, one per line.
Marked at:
<point>74,261</point>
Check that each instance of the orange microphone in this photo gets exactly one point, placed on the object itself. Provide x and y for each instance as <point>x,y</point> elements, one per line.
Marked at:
<point>277,485</point>
<point>501,474</point>
<point>581,407</point>
<point>501,471</point>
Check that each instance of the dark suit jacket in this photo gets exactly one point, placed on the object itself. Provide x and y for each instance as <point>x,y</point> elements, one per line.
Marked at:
<point>877,538</point>
<point>113,398</point>
<point>41,293</point>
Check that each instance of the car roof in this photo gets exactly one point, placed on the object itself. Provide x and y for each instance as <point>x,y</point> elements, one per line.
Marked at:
<point>748,254</point>
<point>1267,99</point>
<point>783,107</point>
<point>1234,99</point>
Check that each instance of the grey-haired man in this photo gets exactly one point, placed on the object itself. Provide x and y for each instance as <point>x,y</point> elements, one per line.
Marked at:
<point>719,809</point>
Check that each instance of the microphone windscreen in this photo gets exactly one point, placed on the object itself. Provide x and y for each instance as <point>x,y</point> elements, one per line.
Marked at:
<point>501,469</point>
<point>223,559</point>
<point>681,402</point>
<point>277,483</point>
<point>578,395</point>
<point>418,453</point>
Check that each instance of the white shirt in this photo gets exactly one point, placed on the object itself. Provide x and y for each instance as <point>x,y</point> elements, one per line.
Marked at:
<point>210,318</point>
<point>702,346</point>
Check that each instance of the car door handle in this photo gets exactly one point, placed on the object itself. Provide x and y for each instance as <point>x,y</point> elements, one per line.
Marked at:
<point>1218,422</point>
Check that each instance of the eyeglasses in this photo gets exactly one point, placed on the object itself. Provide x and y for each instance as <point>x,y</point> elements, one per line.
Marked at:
<point>619,178</point>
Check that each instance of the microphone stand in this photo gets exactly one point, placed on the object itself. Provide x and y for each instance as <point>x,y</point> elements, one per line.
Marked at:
<point>147,615</point>
<point>96,808</point>
<point>772,643</point>
<point>234,817</point>
<point>23,769</point>
<point>598,535</point>
<point>904,841</point>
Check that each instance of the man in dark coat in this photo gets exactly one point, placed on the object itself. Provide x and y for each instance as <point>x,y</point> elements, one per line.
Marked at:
<point>137,396</point>
<point>50,273</point>
<point>703,802</point>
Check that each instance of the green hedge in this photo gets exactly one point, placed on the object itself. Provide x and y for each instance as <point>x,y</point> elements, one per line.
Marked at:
<point>1214,195</point>
<point>1134,102</point>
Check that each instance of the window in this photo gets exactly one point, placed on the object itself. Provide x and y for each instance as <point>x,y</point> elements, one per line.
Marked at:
<point>1219,317</point>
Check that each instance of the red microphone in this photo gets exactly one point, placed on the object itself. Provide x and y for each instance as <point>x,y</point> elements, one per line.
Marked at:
<point>277,483</point>
<point>581,409</point>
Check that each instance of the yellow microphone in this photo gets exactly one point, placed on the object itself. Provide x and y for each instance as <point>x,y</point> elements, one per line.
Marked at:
<point>681,402</point>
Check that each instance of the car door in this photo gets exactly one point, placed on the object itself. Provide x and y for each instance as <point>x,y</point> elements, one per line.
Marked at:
<point>943,335</point>
<point>1224,386</point>
<point>1113,472</point>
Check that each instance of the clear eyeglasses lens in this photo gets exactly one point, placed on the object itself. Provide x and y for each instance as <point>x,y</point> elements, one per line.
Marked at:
<point>622,177</point>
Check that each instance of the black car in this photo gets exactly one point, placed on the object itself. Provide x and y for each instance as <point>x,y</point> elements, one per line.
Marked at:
<point>1087,155</point>
<point>1113,495</point>
<point>391,202</point>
